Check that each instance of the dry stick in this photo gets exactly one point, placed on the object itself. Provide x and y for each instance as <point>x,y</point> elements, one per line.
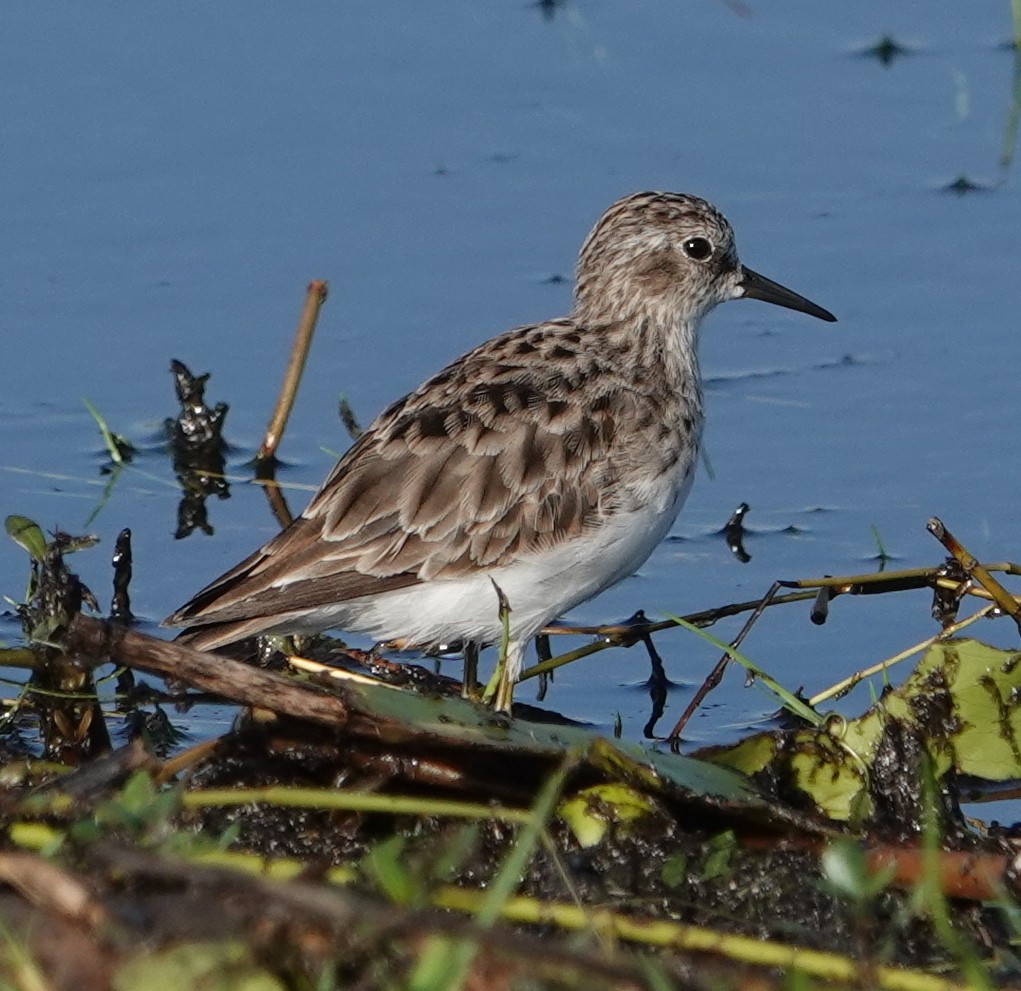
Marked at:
<point>716,675</point>
<point>858,584</point>
<point>843,687</point>
<point>899,580</point>
<point>252,883</point>
<point>186,759</point>
<point>620,635</point>
<point>97,777</point>
<point>686,940</point>
<point>896,581</point>
<point>227,678</point>
<point>1003,599</point>
<point>48,886</point>
<point>903,580</point>
<point>314,298</point>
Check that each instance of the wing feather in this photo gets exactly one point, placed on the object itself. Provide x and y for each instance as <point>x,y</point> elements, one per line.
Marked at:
<point>495,458</point>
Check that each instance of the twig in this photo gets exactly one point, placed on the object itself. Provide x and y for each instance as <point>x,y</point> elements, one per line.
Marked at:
<point>843,687</point>
<point>872,583</point>
<point>47,886</point>
<point>98,777</point>
<point>627,635</point>
<point>904,580</point>
<point>230,679</point>
<point>186,759</point>
<point>314,298</point>
<point>684,938</point>
<point>1005,602</point>
<point>716,675</point>
<point>286,797</point>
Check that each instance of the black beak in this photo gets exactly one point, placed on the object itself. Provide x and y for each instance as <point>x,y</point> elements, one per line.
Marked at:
<point>759,287</point>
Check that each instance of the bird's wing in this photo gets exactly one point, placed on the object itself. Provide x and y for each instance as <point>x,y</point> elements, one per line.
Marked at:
<point>495,458</point>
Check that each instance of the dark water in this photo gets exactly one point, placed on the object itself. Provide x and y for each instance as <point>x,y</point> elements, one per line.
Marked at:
<point>172,177</point>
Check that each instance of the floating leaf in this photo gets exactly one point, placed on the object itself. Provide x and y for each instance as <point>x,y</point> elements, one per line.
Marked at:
<point>961,705</point>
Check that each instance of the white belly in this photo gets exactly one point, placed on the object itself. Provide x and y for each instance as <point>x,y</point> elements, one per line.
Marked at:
<point>539,588</point>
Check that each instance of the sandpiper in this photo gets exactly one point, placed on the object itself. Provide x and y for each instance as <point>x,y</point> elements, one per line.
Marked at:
<point>548,461</point>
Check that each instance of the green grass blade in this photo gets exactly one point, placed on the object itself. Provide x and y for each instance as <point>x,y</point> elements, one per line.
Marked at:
<point>789,701</point>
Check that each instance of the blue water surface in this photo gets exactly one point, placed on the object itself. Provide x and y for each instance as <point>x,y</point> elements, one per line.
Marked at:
<point>173,175</point>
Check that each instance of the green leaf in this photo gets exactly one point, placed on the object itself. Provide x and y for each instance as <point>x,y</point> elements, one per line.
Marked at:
<point>844,867</point>
<point>384,862</point>
<point>591,812</point>
<point>843,864</point>
<point>27,535</point>
<point>787,699</point>
<point>228,837</point>
<point>962,703</point>
<point>674,870</point>
<point>137,794</point>
<point>721,853</point>
<point>116,446</point>
<point>142,809</point>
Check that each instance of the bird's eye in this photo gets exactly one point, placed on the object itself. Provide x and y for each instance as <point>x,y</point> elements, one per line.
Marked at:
<point>698,248</point>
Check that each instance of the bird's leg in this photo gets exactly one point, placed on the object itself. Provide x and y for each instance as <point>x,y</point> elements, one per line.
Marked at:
<point>469,684</point>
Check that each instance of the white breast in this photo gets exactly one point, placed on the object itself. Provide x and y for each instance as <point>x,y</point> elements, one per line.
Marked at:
<point>539,587</point>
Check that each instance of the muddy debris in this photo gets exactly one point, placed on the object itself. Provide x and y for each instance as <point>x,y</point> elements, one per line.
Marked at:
<point>357,827</point>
